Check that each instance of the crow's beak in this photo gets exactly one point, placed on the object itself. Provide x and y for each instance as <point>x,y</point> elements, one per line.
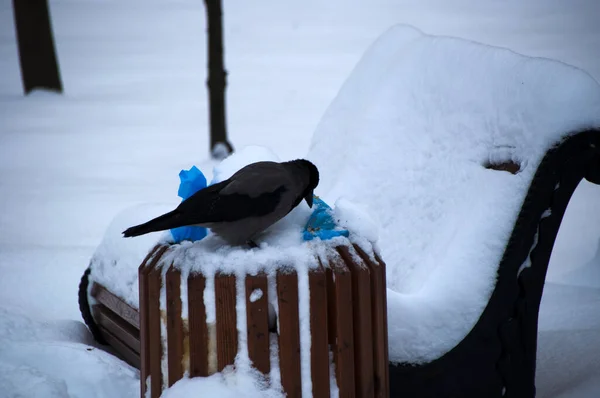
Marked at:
<point>309,199</point>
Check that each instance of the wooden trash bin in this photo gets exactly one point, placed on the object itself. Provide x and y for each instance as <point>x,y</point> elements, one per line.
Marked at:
<point>347,306</point>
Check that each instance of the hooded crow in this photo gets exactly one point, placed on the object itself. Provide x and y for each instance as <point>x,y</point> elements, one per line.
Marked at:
<point>239,208</point>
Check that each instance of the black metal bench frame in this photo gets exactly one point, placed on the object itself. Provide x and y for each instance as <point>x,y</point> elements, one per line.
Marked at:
<point>498,357</point>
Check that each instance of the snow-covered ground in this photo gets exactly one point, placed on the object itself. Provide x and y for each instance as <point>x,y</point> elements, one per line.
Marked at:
<point>134,114</point>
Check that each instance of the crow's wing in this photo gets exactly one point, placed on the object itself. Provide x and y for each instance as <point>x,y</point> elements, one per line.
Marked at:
<point>258,179</point>
<point>220,203</point>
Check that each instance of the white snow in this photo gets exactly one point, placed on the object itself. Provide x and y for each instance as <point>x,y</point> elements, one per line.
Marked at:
<point>134,114</point>
<point>184,295</point>
<point>164,363</point>
<point>242,359</point>
<point>305,336</point>
<point>211,255</point>
<point>273,303</point>
<point>527,262</point>
<point>256,295</point>
<point>412,132</point>
<point>210,306</point>
<point>228,384</point>
<point>354,217</point>
<point>57,359</point>
<point>220,151</point>
<point>116,260</point>
<point>275,374</point>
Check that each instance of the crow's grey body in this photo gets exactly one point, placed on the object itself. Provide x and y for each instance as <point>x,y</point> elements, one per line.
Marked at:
<point>244,205</point>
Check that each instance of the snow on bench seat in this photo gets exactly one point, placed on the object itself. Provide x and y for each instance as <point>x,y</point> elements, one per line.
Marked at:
<point>419,133</point>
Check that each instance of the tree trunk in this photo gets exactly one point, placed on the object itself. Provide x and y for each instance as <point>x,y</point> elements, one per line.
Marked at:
<point>216,82</point>
<point>39,66</point>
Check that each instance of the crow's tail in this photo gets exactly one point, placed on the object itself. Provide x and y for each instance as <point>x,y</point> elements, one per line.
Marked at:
<point>169,220</point>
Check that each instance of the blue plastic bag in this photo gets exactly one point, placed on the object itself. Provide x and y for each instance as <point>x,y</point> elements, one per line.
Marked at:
<point>321,223</point>
<point>192,181</point>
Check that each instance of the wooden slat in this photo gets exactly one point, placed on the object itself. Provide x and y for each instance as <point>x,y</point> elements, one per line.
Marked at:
<point>257,314</point>
<point>149,262</point>
<point>130,356</point>
<point>150,257</point>
<point>383,283</point>
<point>116,305</point>
<point>363,335</point>
<point>342,321</point>
<point>144,342</point>
<point>379,315</point>
<point>154,338</point>
<point>174,325</point>
<point>225,296</point>
<point>319,349</point>
<point>198,332</point>
<point>289,333</point>
<point>117,326</point>
<point>331,312</point>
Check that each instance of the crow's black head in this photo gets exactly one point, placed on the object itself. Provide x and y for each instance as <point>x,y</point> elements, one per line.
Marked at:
<point>313,180</point>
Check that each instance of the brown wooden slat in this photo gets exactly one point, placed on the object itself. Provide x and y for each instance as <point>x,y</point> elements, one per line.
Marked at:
<point>331,313</point>
<point>344,344</point>
<point>289,333</point>
<point>174,325</point>
<point>383,277</point>
<point>154,338</point>
<point>198,332</point>
<point>117,326</point>
<point>151,258</point>
<point>319,349</point>
<point>363,330</point>
<point>116,305</point>
<point>225,297</point>
<point>144,341</point>
<point>379,315</point>
<point>257,314</point>
<point>130,356</point>
<point>149,262</point>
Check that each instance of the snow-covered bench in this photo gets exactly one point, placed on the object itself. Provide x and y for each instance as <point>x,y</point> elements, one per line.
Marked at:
<point>467,155</point>
<point>498,355</point>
